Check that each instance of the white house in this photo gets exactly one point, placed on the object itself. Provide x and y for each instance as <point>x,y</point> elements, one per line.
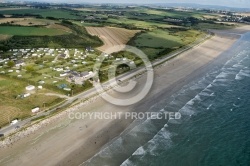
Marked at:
<point>40,87</point>
<point>30,87</point>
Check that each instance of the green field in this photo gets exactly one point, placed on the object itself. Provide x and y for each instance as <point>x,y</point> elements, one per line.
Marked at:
<point>140,24</point>
<point>56,13</point>
<point>213,26</point>
<point>30,31</point>
<point>45,37</point>
<point>160,42</point>
<point>164,38</point>
<point>173,14</point>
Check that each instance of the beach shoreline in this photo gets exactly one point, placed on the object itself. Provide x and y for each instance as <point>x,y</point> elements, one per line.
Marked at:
<point>68,142</point>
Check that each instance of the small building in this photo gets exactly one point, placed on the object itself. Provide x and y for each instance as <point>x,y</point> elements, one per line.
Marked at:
<point>20,63</point>
<point>67,89</point>
<point>30,87</point>
<point>14,122</point>
<point>63,56</point>
<point>40,87</point>
<point>86,74</point>
<point>63,74</point>
<point>35,110</point>
<point>89,49</point>
<point>59,69</point>
<point>26,95</point>
<point>41,82</point>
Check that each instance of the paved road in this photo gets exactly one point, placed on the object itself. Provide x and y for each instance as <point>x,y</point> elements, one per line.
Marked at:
<point>11,128</point>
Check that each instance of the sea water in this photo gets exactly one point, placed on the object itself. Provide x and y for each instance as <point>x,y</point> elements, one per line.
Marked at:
<point>214,129</point>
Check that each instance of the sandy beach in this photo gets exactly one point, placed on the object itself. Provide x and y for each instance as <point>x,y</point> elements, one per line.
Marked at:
<point>68,142</point>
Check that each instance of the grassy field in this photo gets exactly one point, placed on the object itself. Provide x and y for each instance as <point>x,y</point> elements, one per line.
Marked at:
<point>214,26</point>
<point>28,21</point>
<point>11,108</point>
<point>56,13</point>
<point>173,14</point>
<point>30,31</point>
<point>147,25</point>
<point>160,42</point>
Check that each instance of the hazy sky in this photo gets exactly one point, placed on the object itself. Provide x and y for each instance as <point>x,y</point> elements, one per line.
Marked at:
<point>231,3</point>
